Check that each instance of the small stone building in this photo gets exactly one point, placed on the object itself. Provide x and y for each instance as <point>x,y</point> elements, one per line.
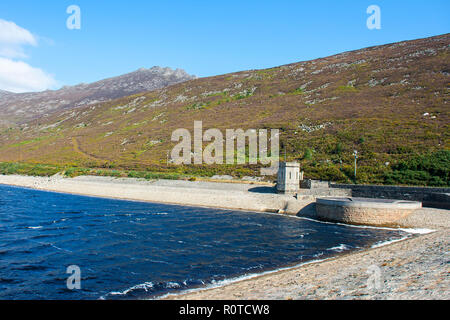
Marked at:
<point>289,176</point>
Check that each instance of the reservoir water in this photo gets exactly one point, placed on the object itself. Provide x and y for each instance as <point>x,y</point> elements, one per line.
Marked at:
<point>136,250</point>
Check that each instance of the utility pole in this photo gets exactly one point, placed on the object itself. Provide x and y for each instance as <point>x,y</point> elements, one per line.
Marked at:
<point>355,153</point>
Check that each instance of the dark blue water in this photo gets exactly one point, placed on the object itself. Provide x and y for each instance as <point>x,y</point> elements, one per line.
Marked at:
<point>133,250</point>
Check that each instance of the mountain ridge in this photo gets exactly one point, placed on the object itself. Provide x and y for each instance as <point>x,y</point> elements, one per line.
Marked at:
<point>23,107</point>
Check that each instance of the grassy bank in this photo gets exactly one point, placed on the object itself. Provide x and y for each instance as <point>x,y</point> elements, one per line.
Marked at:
<point>419,170</point>
<point>46,170</point>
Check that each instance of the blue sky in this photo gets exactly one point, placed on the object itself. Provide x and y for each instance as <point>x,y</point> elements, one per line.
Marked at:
<point>205,37</point>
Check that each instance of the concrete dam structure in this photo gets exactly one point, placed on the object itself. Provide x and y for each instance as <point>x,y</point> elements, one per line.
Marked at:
<point>365,211</point>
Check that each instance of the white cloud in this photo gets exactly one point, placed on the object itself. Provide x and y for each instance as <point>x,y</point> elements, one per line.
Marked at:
<point>13,34</point>
<point>18,76</point>
<point>12,51</point>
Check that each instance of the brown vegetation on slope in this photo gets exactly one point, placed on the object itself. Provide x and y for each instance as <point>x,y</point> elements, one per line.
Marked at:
<point>389,102</point>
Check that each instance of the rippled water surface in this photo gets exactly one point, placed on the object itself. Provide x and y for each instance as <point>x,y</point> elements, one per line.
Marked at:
<point>133,250</point>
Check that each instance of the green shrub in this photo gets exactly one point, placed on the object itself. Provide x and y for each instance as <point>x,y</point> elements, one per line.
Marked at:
<point>338,149</point>
<point>308,155</point>
<point>28,169</point>
<point>428,170</point>
<point>115,173</point>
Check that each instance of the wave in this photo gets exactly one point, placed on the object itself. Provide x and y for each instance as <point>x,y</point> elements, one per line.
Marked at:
<point>8,281</point>
<point>146,286</point>
<point>385,243</point>
<point>45,245</point>
<point>340,248</point>
<point>417,230</point>
<point>43,236</point>
<point>122,233</point>
<point>29,267</point>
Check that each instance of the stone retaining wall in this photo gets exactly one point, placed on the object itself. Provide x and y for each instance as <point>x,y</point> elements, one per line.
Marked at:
<point>430,197</point>
<point>361,216</point>
<point>364,211</point>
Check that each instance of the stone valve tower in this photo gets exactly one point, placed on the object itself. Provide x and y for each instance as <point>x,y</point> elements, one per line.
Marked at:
<point>289,176</point>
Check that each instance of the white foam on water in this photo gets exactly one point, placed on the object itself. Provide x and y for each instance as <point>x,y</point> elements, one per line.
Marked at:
<point>34,228</point>
<point>385,243</point>
<point>318,254</point>
<point>61,249</point>
<point>145,286</point>
<point>339,248</point>
<point>408,230</point>
<point>172,285</point>
<point>418,230</point>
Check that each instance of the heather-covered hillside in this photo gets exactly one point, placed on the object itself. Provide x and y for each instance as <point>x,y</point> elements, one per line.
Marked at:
<point>388,102</point>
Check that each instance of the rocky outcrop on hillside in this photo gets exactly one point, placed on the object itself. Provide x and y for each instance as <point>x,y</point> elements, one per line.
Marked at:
<point>4,93</point>
<point>20,108</point>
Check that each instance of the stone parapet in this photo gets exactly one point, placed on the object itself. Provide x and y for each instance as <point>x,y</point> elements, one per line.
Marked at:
<point>430,197</point>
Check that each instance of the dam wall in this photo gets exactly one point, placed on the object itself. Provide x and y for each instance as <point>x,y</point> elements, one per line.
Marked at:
<point>430,197</point>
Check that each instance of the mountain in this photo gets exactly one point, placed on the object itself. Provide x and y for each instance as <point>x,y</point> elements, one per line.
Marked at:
<point>4,93</point>
<point>388,102</point>
<point>19,108</point>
